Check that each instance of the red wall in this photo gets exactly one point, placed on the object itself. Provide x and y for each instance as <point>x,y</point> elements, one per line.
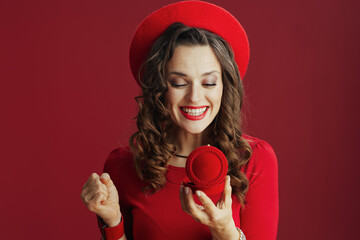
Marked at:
<point>66,96</point>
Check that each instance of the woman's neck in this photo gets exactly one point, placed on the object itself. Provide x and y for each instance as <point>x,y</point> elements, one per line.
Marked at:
<point>185,143</point>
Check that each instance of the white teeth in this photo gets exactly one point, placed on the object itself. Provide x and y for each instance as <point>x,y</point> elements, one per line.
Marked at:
<point>194,112</point>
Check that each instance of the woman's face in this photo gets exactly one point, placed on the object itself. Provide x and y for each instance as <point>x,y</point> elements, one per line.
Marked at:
<point>194,88</point>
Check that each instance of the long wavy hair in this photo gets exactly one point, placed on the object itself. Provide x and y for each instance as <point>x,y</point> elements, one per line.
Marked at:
<point>150,146</point>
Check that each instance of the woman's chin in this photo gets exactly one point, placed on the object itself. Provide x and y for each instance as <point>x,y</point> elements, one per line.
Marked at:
<point>194,130</point>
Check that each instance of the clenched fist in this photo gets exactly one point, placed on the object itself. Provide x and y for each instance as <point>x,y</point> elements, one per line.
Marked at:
<point>101,197</point>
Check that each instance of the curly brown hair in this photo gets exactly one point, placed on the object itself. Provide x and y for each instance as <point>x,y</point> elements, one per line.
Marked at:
<point>150,146</point>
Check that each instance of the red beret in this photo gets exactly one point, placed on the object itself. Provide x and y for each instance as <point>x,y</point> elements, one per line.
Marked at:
<point>193,14</point>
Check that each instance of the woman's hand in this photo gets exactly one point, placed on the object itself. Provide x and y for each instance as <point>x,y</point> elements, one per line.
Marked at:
<point>217,217</point>
<point>101,197</point>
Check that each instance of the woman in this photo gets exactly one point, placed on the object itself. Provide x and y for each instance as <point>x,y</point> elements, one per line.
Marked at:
<point>191,96</point>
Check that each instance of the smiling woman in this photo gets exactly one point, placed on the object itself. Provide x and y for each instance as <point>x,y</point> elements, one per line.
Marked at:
<point>180,65</point>
<point>192,95</point>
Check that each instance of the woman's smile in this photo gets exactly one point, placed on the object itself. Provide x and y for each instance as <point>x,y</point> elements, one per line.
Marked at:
<point>194,113</point>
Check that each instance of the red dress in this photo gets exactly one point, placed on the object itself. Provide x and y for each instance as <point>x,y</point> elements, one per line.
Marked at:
<point>159,215</point>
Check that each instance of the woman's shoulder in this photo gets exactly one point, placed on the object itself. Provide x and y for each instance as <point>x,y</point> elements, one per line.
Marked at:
<point>121,168</point>
<point>258,145</point>
<point>263,157</point>
<point>119,158</point>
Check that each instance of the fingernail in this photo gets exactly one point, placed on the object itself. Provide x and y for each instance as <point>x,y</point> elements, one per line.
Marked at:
<point>187,190</point>
<point>198,193</point>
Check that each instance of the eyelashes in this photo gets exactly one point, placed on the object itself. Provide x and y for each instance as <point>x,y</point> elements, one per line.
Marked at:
<point>177,85</point>
<point>182,83</point>
<point>209,84</point>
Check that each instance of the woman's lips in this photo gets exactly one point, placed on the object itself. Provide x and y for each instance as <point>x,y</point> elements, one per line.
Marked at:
<point>194,113</point>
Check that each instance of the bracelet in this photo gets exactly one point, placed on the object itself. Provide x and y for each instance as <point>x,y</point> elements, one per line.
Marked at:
<point>113,233</point>
<point>241,234</point>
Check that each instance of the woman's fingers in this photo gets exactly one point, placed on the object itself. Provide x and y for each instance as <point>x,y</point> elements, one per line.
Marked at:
<point>217,216</point>
<point>93,177</point>
<point>182,199</point>
<point>194,210</point>
<point>189,203</point>
<point>207,203</point>
<point>95,190</point>
<point>110,187</point>
<point>184,191</point>
<point>92,188</point>
<point>90,180</point>
<point>105,178</point>
<point>227,192</point>
<point>100,196</point>
<point>95,203</point>
<point>90,183</point>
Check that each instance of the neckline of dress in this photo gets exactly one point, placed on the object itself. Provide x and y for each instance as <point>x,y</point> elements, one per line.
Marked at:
<point>176,168</point>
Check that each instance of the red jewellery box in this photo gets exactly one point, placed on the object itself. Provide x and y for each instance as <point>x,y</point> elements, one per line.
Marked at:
<point>206,169</point>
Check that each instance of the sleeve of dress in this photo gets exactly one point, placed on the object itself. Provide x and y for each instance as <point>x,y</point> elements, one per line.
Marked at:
<point>117,165</point>
<point>259,217</point>
<point>107,168</point>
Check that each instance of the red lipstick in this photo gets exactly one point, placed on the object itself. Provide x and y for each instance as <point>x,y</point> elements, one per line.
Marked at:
<point>190,112</point>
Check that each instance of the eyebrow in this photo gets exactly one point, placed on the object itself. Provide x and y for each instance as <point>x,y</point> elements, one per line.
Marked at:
<point>184,75</point>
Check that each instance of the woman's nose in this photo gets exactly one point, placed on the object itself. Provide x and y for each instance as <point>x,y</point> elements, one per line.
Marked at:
<point>195,93</point>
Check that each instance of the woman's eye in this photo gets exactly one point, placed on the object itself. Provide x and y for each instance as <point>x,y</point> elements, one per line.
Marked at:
<point>177,83</point>
<point>209,84</point>
<point>209,81</point>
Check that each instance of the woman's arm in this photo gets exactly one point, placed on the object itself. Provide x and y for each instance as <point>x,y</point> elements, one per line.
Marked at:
<point>259,217</point>
<point>101,197</point>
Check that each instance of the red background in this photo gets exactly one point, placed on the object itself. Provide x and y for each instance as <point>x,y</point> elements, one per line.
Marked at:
<point>66,95</point>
